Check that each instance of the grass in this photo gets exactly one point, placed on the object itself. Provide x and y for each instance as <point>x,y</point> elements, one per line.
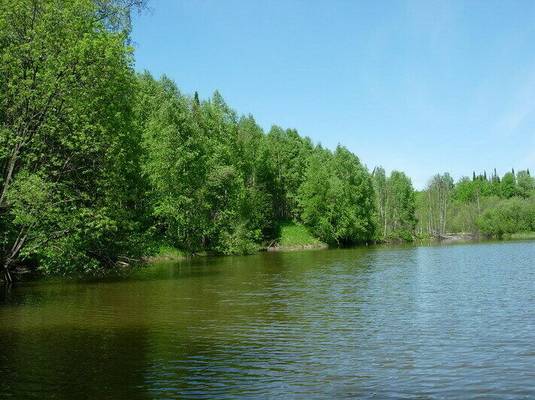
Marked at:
<point>166,252</point>
<point>296,235</point>
<point>293,236</point>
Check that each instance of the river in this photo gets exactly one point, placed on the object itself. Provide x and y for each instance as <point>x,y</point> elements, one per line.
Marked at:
<point>455,321</point>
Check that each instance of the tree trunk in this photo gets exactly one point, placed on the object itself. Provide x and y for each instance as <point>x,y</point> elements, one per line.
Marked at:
<point>7,275</point>
<point>9,172</point>
<point>12,255</point>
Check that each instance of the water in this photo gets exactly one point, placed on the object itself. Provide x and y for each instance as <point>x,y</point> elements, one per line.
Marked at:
<point>409,322</point>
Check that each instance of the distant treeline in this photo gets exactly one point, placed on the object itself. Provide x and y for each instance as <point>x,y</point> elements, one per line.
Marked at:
<point>100,165</point>
<point>491,206</point>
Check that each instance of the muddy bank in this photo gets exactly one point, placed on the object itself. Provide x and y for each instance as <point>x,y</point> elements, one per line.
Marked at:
<point>314,246</point>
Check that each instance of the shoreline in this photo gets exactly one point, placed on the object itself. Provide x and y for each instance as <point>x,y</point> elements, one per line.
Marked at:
<point>175,255</point>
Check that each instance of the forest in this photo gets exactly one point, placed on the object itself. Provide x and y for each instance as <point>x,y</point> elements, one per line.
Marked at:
<point>101,166</point>
<point>483,205</point>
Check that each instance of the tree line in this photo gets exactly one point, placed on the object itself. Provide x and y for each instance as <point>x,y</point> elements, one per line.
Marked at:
<point>99,165</point>
<point>482,205</point>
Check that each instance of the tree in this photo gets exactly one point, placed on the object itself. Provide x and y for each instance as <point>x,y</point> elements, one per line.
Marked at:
<point>381,200</point>
<point>508,216</point>
<point>285,157</point>
<point>478,206</point>
<point>439,192</point>
<point>401,207</point>
<point>116,15</point>
<point>203,165</point>
<point>525,183</point>
<point>257,201</point>
<point>508,186</point>
<point>65,85</point>
<point>337,198</point>
<point>395,200</point>
<point>176,158</point>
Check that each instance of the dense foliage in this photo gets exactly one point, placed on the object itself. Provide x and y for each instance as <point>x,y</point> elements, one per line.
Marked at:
<point>100,166</point>
<point>218,182</point>
<point>396,205</point>
<point>483,205</point>
<point>337,198</point>
<point>67,149</point>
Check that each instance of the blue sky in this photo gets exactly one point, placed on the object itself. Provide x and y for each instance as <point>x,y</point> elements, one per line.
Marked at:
<point>419,86</point>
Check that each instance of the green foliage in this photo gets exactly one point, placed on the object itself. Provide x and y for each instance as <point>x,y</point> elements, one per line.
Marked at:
<point>30,199</point>
<point>99,165</point>
<point>337,198</point>
<point>439,192</point>
<point>68,150</point>
<point>396,205</point>
<point>203,192</point>
<point>492,207</point>
<point>508,216</point>
<point>508,187</point>
<point>218,183</point>
<point>285,157</point>
<point>525,184</point>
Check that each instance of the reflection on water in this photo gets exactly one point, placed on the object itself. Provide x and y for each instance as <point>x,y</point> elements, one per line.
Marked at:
<point>452,321</point>
<point>66,363</point>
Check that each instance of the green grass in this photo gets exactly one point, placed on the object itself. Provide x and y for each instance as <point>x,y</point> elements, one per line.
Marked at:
<point>166,252</point>
<point>293,234</point>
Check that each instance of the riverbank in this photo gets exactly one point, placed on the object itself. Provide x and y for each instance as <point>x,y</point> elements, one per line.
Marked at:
<point>464,237</point>
<point>458,237</point>
<point>520,236</point>
<point>293,238</point>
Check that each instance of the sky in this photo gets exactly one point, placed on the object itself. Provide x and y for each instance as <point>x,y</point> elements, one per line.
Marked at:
<point>423,87</point>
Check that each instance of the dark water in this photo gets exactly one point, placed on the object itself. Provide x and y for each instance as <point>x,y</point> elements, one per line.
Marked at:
<point>421,322</point>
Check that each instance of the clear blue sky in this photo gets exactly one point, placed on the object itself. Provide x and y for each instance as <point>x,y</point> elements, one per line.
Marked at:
<point>419,86</point>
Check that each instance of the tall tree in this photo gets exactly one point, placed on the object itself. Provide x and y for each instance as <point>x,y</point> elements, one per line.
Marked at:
<point>439,191</point>
<point>381,199</point>
<point>508,185</point>
<point>286,156</point>
<point>401,207</point>
<point>395,200</point>
<point>65,85</point>
<point>525,183</point>
<point>337,198</point>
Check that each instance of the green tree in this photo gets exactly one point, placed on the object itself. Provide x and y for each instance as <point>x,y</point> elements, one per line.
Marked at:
<point>285,159</point>
<point>438,200</point>
<point>337,198</point>
<point>381,199</point>
<point>65,85</point>
<point>401,207</point>
<point>525,183</point>
<point>175,162</point>
<point>508,216</point>
<point>203,165</point>
<point>508,187</point>
<point>395,201</point>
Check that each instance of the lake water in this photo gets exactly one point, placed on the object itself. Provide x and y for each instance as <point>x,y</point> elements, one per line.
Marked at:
<point>410,322</point>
